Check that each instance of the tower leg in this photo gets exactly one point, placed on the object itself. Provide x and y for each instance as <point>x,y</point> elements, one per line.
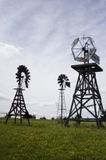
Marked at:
<point>15,119</point>
<point>28,121</point>
<point>20,120</point>
<point>7,119</point>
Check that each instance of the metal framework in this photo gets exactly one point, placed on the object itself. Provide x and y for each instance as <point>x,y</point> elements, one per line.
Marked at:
<point>86,95</point>
<point>61,111</point>
<point>18,108</point>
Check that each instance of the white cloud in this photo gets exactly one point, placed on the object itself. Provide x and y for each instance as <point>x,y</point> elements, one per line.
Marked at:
<point>8,50</point>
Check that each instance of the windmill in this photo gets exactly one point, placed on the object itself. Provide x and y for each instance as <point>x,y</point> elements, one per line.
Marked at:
<point>63,82</point>
<point>18,107</point>
<point>86,95</point>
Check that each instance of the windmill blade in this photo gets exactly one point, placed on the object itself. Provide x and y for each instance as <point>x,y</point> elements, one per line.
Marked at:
<point>75,42</point>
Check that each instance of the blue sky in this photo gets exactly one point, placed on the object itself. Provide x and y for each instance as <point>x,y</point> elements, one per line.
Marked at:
<point>39,34</point>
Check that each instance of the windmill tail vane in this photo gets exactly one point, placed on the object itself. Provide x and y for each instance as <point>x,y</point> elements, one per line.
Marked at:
<point>68,84</point>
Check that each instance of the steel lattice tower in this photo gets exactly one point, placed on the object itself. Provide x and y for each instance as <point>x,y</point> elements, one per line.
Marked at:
<point>61,110</point>
<point>86,94</point>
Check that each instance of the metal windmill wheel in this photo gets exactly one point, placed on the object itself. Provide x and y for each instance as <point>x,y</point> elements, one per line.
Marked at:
<point>63,81</point>
<point>23,70</point>
<point>83,50</point>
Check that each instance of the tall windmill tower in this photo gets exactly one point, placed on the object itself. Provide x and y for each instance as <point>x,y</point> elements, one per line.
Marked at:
<point>63,82</point>
<point>86,95</point>
<point>18,107</point>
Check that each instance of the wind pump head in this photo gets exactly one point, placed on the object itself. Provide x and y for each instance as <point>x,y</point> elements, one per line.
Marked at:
<point>83,50</point>
<point>23,74</point>
<point>63,81</point>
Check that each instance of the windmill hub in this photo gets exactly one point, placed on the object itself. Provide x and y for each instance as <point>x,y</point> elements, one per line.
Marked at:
<point>84,50</point>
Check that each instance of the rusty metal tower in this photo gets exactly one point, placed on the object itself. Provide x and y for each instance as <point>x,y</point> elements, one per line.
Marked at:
<point>86,95</point>
<point>18,108</point>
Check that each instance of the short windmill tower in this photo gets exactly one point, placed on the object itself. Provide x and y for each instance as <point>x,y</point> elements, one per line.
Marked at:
<point>63,82</point>
<point>86,95</point>
<point>18,108</point>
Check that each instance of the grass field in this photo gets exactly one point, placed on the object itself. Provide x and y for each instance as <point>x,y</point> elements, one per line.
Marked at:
<point>48,140</point>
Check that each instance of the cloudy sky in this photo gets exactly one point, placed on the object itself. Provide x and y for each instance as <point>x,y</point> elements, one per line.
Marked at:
<point>39,34</point>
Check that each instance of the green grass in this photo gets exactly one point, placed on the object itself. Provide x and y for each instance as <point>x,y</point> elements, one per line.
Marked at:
<point>48,140</point>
